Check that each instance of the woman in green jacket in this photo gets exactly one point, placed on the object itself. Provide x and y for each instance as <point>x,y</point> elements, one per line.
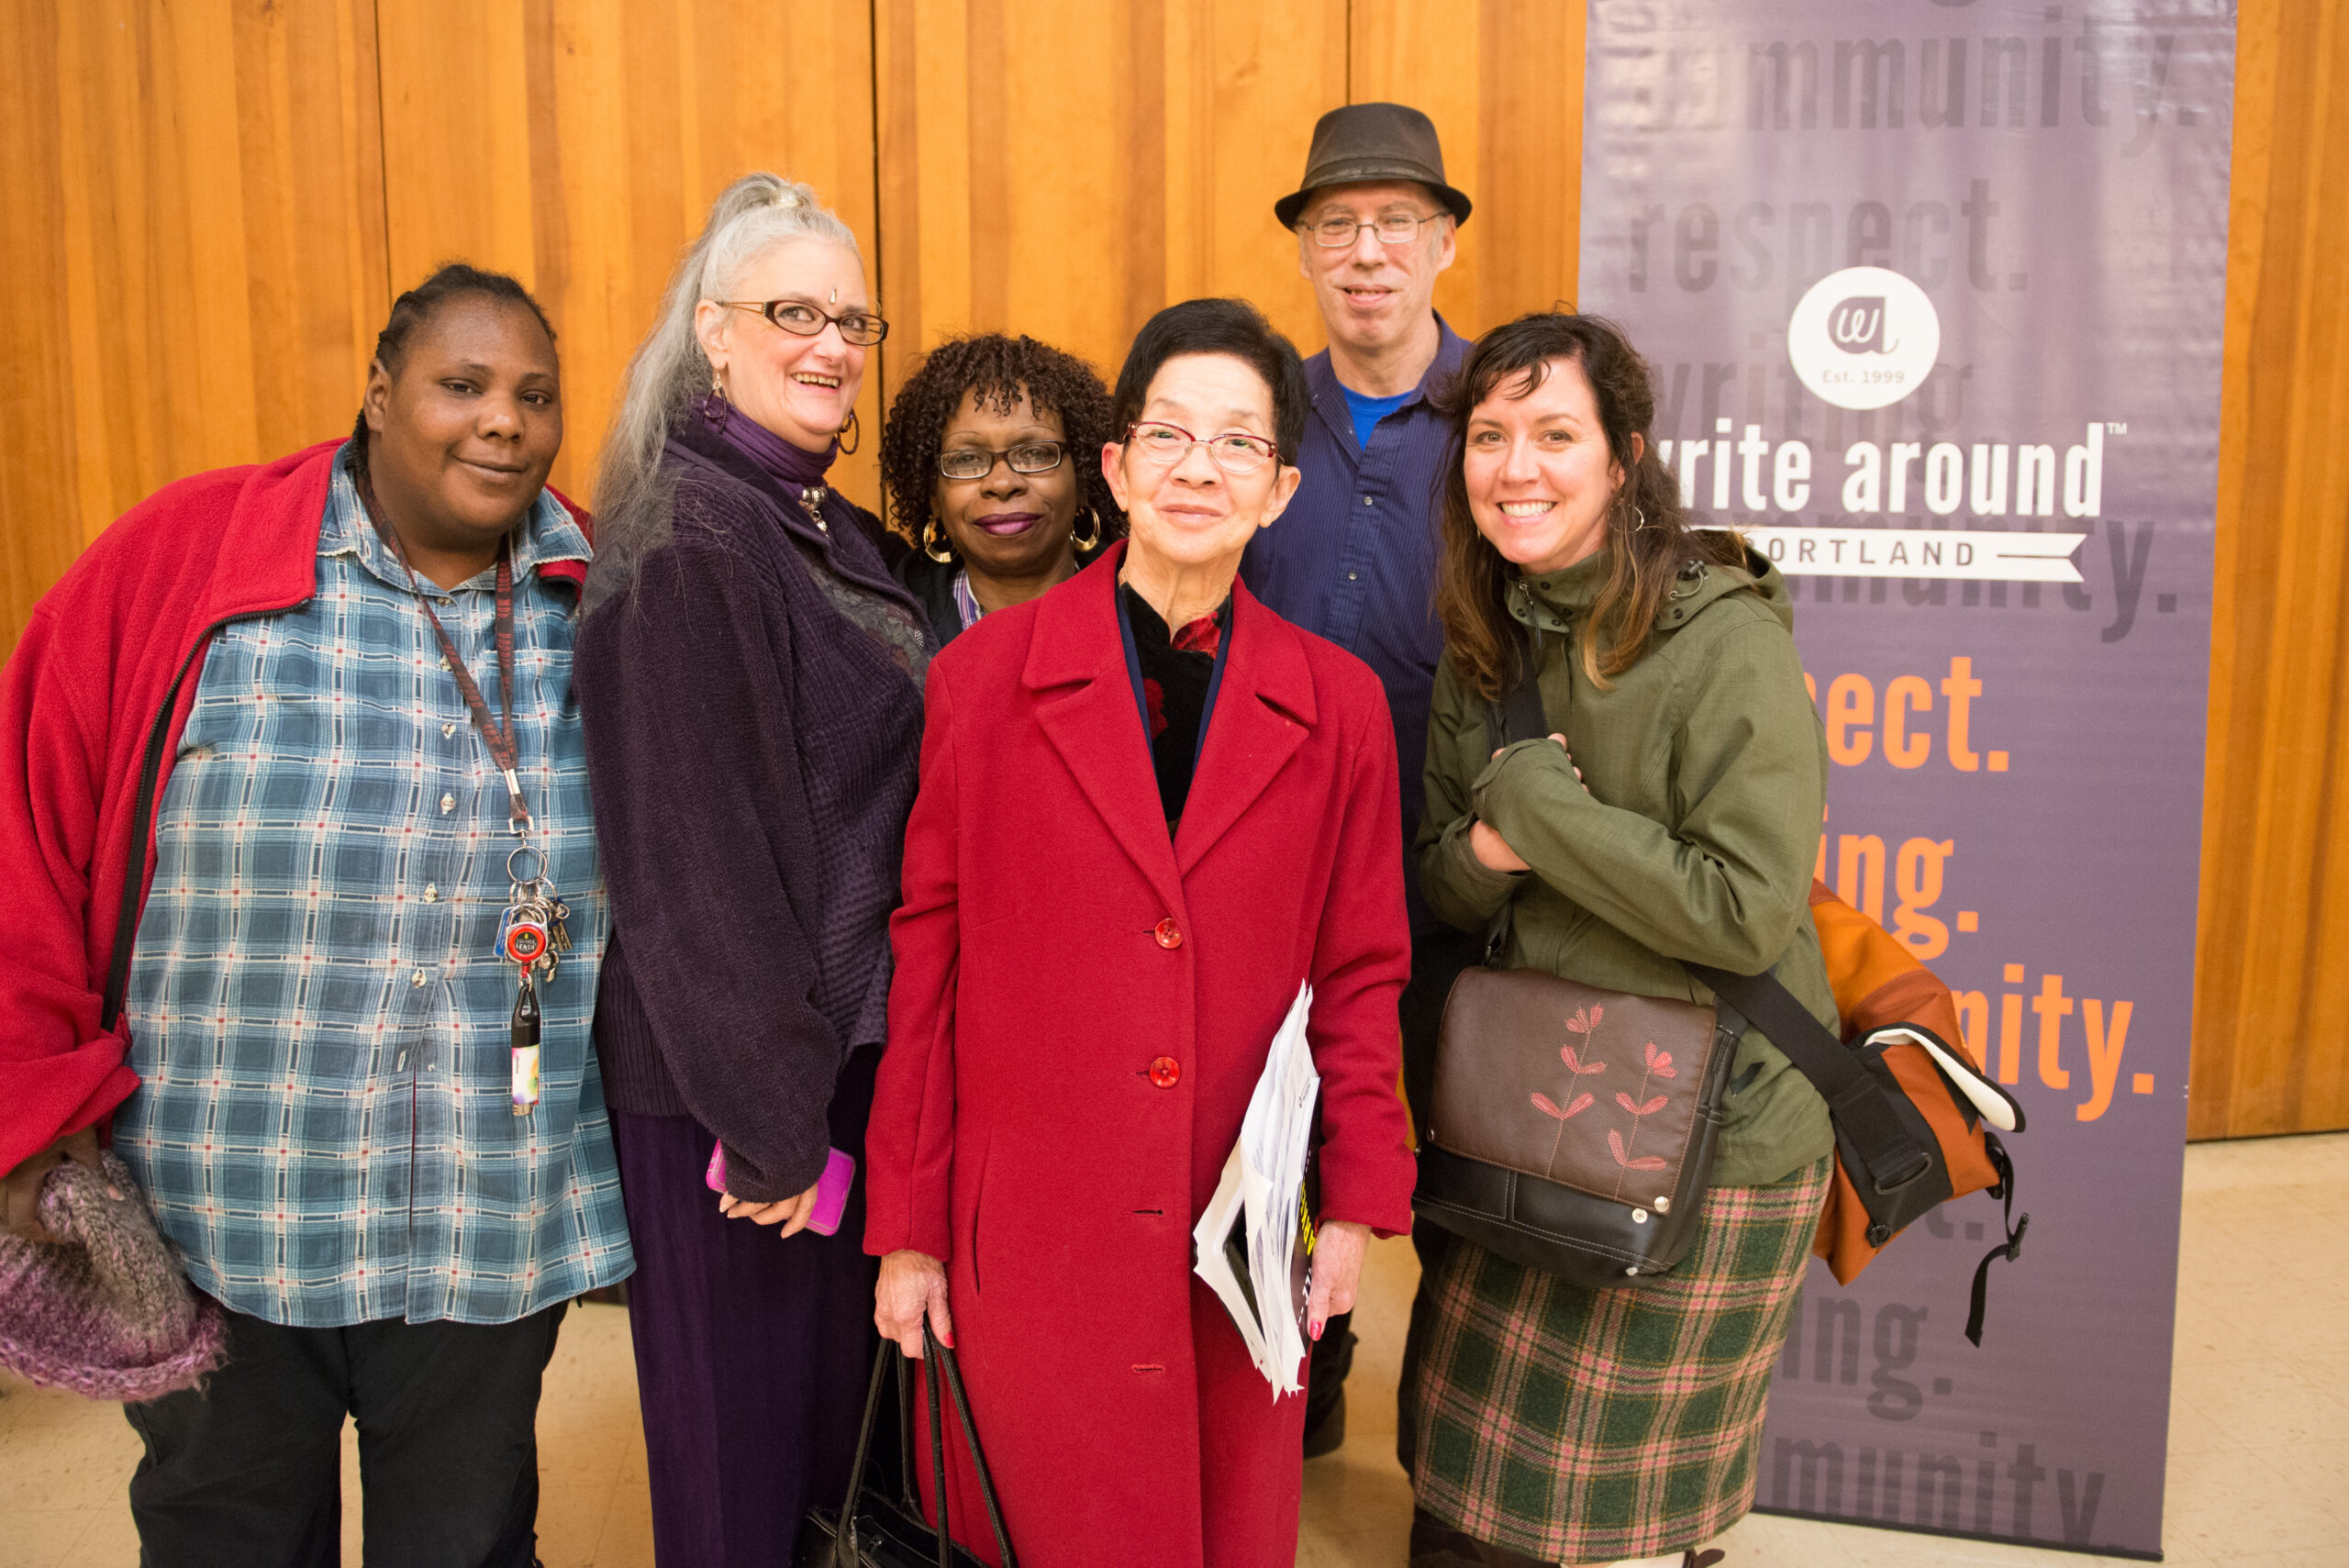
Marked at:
<point>1674,814</point>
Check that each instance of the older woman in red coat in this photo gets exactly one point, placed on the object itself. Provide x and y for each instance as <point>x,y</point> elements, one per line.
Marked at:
<point>1149,809</point>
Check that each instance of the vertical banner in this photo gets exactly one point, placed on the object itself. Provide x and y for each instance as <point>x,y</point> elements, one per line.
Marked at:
<point>1933,291</point>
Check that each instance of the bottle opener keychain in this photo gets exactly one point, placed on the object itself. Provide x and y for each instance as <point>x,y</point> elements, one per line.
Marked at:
<point>532,936</point>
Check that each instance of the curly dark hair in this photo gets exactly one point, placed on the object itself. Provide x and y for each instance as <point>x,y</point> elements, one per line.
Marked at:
<point>996,367</point>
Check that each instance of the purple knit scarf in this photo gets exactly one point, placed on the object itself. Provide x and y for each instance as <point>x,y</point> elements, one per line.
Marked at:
<point>794,467</point>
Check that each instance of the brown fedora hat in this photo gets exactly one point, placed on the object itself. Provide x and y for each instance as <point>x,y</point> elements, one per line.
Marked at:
<point>1372,141</point>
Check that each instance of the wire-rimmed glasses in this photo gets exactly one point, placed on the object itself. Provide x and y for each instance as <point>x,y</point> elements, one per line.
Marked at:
<point>1166,445</point>
<point>802,319</point>
<point>977,462</point>
<point>1339,230</point>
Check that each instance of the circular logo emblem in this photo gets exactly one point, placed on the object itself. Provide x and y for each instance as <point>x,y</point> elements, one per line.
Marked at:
<point>1864,338</point>
<point>526,943</point>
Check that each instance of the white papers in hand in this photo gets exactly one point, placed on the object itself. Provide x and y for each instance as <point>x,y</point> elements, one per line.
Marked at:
<point>1248,1238</point>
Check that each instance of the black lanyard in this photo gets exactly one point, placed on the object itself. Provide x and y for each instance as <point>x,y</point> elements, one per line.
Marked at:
<point>498,737</point>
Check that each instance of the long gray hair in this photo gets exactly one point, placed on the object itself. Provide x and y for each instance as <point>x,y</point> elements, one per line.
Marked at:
<point>670,374</point>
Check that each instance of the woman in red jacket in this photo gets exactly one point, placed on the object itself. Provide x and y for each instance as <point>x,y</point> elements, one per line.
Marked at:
<point>1149,809</point>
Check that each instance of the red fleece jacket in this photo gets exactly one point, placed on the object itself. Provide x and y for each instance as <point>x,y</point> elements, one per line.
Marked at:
<point>82,720</point>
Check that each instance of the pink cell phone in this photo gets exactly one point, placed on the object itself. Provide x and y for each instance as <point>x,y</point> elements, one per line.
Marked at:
<point>832,1188</point>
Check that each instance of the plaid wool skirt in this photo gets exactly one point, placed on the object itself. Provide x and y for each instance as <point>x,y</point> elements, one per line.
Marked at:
<point>1584,1425</point>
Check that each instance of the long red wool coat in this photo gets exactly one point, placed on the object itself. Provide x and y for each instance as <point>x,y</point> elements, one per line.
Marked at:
<point>1080,1012</point>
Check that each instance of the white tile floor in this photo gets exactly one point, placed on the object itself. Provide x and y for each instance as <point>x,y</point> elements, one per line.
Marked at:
<point>2259,1421</point>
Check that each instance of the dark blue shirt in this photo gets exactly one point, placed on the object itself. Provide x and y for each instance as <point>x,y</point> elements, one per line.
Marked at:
<point>1353,556</point>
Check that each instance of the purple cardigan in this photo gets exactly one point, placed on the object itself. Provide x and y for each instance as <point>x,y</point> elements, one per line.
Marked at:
<point>754,755</point>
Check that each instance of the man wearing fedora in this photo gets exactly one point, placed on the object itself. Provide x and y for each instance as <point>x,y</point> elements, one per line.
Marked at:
<point>1353,558</point>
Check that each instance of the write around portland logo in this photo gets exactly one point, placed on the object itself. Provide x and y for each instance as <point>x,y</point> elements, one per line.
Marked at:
<point>1864,338</point>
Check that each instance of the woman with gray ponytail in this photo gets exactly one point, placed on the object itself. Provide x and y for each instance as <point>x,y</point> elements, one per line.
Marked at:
<point>751,677</point>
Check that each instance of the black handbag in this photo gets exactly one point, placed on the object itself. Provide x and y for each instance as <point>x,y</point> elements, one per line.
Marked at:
<point>1529,1146</point>
<point>874,1529</point>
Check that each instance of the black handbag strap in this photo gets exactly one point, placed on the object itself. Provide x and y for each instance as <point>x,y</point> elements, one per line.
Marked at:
<point>845,1554</point>
<point>944,1532</point>
<point>1891,1152</point>
<point>143,819</point>
<point>2010,1248</point>
<point>971,1434</point>
<point>845,1547</point>
<point>1518,716</point>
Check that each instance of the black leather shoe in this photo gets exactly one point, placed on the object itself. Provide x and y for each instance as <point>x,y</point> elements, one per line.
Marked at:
<point>1435,1544</point>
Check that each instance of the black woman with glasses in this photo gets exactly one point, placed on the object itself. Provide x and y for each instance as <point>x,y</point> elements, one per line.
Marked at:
<point>1149,809</point>
<point>992,457</point>
<point>750,679</point>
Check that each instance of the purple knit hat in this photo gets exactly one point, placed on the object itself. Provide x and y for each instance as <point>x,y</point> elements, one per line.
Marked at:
<point>108,1312</point>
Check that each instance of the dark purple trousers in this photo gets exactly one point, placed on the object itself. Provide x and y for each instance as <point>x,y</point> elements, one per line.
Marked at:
<point>752,1353</point>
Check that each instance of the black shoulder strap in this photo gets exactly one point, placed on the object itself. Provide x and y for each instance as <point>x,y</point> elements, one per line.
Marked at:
<point>2010,1248</point>
<point>142,821</point>
<point>1518,716</point>
<point>1853,1098</point>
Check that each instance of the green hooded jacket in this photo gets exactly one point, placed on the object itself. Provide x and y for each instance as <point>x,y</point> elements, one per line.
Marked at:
<point>1692,833</point>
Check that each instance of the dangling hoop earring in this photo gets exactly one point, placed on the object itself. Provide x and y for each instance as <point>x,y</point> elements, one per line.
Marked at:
<point>851,436</point>
<point>713,404</point>
<point>932,547</point>
<point>1082,545</point>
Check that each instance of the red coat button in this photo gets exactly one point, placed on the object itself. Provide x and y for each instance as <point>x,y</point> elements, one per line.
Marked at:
<point>1166,1071</point>
<point>1168,933</point>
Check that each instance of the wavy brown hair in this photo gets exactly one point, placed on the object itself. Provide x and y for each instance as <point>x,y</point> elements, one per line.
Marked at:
<point>1648,542</point>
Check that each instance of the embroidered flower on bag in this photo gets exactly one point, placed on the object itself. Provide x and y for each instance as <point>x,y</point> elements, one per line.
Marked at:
<point>1659,1065</point>
<point>1622,1158</point>
<point>1584,1023</point>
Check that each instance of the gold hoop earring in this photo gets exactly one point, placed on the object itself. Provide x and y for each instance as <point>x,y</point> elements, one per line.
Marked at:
<point>930,546</point>
<point>1082,545</point>
<point>851,436</point>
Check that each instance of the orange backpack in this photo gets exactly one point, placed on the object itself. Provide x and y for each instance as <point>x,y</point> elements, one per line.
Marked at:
<point>1917,1121</point>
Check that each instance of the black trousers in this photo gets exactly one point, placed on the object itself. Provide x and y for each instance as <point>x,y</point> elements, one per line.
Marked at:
<point>247,1471</point>
<point>1436,963</point>
<point>1437,958</point>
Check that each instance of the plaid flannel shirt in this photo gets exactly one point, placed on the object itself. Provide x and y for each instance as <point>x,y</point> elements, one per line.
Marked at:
<point>318,1023</point>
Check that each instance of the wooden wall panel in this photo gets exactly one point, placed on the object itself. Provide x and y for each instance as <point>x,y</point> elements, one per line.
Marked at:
<point>1502,80</point>
<point>191,222</point>
<point>2271,1044</point>
<point>579,143</point>
<point>206,208</point>
<point>1065,169</point>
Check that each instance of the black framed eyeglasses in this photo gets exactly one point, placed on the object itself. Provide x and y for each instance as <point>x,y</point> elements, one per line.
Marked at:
<point>802,319</point>
<point>1339,230</point>
<point>1167,445</point>
<point>977,462</point>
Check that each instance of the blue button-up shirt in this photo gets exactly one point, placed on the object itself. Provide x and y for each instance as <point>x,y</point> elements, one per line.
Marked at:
<point>1353,556</point>
<point>323,1122</point>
